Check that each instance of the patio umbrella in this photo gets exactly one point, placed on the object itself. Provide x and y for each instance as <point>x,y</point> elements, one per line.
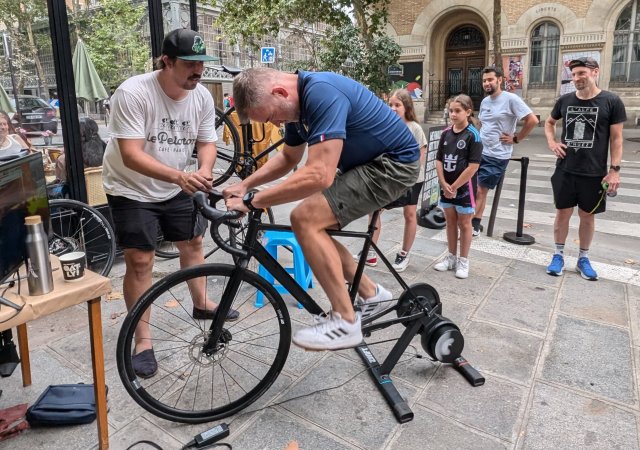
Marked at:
<point>88,84</point>
<point>5,103</point>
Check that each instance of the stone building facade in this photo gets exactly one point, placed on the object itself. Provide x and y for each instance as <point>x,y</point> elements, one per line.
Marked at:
<point>446,43</point>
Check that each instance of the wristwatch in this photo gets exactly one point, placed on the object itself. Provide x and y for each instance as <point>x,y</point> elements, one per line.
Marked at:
<point>515,138</point>
<point>247,199</point>
<point>615,168</point>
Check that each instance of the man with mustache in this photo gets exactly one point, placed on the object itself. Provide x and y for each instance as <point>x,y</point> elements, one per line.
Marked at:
<point>499,114</point>
<point>155,120</point>
<point>592,121</point>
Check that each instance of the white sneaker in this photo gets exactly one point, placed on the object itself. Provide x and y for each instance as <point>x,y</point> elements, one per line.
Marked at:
<point>446,263</point>
<point>374,304</point>
<point>329,333</point>
<point>401,262</point>
<point>463,268</point>
<point>372,258</point>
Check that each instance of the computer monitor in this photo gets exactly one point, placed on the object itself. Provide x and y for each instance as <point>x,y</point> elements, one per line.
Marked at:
<point>23,192</point>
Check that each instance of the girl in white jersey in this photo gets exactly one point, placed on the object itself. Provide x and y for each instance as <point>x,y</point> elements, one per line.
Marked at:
<point>400,101</point>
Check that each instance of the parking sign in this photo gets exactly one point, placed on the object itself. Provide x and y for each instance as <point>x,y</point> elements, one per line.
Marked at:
<point>268,55</point>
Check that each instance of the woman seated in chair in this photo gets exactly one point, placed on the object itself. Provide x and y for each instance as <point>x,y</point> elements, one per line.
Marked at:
<point>10,142</point>
<point>92,148</point>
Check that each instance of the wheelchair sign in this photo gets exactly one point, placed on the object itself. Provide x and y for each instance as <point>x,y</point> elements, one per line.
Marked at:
<point>267,55</point>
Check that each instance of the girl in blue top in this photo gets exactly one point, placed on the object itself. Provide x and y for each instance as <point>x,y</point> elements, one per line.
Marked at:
<point>457,161</point>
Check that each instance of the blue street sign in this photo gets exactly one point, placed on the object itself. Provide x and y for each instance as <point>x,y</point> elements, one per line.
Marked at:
<point>267,55</point>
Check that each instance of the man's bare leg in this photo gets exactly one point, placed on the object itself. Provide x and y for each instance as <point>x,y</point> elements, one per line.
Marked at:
<point>561,225</point>
<point>481,201</point>
<point>586,229</point>
<point>309,221</point>
<point>192,254</point>
<point>137,279</point>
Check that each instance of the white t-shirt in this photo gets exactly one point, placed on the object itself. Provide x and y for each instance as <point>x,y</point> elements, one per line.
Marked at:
<point>141,110</point>
<point>421,139</point>
<point>500,115</point>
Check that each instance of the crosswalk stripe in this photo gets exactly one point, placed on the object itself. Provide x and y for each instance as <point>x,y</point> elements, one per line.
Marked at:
<point>542,258</point>
<point>612,205</point>
<point>547,184</point>
<point>547,218</point>
<point>547,174</point>
<point>628,167</point>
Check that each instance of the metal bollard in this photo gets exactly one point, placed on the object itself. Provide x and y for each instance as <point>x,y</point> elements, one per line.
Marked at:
<point>518,237</point>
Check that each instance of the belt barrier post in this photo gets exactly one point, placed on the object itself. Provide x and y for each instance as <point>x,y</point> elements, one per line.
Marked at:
<point>494,207</point>
<point>518,237</point>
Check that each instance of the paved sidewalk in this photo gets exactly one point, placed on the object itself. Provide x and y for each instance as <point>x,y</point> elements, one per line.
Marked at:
<point>560,357</point>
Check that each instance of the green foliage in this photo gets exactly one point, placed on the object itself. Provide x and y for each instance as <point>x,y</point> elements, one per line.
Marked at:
<point>17,17</point>
<point>355,45</point>
<point>114,39</point>
<point>347,52</point>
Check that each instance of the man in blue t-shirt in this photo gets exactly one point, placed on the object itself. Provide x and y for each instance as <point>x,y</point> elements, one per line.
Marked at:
<point>361,157</point>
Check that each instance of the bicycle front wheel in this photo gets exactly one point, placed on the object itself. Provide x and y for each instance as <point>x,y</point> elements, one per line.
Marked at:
<point>77,226</point>
<point>193,387</point>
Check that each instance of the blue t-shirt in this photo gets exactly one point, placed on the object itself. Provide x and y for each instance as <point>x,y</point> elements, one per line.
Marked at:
<point>336,107</point>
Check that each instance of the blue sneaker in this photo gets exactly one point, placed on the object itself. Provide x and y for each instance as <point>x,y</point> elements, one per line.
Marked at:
<point>584,268</point>
<point>556,266</point>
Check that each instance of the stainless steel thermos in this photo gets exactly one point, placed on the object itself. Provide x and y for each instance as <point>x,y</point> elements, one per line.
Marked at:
<point>39,277</point>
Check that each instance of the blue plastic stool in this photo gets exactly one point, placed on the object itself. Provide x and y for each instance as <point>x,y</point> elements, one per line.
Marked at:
<point>300,271</point>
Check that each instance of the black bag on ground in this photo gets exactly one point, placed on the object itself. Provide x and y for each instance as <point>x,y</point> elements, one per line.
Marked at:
<point>64,404</point>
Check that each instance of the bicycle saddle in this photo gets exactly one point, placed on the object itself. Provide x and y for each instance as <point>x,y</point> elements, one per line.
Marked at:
<point>231,70</point>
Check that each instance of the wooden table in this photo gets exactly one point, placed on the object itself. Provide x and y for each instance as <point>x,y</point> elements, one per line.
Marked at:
<point>89,289</point>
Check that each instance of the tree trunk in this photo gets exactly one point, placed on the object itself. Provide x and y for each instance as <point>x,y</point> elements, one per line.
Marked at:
<point>42,76</point>
<point>360,16</point>
<point>497,33</point>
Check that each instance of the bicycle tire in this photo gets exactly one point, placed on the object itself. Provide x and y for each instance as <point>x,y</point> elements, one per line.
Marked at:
<point>76,226</point>
<point>221,384</point>
<point>168,250</point>
<point>229,152</point>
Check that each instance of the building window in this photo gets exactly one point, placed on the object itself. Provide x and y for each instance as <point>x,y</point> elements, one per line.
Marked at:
<point>625,67</point>
<point>545,46</point>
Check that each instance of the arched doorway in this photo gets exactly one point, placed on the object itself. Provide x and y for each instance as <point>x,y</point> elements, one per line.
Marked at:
<point>465,54</point>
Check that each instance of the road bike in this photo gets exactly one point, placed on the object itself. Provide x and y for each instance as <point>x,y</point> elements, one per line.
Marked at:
<point>210,369</point>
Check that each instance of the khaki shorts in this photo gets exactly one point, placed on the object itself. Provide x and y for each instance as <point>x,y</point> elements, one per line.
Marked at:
<point>369,187</point>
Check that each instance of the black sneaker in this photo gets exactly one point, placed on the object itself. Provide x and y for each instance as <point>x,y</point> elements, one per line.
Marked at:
<point>209,314</point>
<point>477,230</point>
<point>401,262</point>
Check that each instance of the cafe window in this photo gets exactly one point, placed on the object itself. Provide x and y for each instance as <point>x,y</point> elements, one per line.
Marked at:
<point>545,46</point>
<point>625,66</point>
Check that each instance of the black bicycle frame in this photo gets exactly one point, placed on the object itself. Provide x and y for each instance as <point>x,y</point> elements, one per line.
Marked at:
<point>253,248</point>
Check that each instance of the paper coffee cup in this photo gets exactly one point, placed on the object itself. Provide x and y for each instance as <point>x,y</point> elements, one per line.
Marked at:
<point>73,265</point>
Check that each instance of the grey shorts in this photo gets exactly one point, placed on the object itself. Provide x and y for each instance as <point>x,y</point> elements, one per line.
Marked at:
<point>369,187</point>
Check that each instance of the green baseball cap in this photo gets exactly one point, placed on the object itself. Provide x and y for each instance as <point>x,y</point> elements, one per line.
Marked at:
<point>185,44</point>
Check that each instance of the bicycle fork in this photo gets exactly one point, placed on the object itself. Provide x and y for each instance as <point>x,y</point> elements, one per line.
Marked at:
<point>218,335</point>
